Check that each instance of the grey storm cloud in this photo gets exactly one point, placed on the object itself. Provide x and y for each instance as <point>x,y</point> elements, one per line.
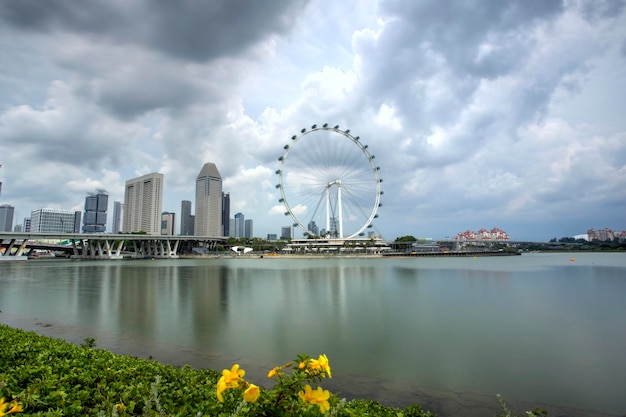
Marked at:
<point>191,30</point>
<point>480,113</point>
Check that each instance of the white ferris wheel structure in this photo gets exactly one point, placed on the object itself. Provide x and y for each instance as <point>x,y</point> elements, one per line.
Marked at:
<point>329,183</point>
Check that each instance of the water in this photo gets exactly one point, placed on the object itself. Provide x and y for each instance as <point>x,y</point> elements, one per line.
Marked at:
<point>540,329</point>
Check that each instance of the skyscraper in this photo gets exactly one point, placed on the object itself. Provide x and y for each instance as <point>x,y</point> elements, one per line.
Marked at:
<point>186,223</point>
<point>143,204</point>
<point>226,213</point>
<point>116,227</point>
<point>208,221</point>
<point>239,224</point>
<point>6,217</point>
<point>248,232</point>
<point>95,216</point>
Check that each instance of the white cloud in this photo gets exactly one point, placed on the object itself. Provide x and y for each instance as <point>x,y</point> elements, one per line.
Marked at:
<point>511,117</point>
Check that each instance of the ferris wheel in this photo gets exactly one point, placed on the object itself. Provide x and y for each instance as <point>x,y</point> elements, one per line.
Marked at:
<point>329,183</point>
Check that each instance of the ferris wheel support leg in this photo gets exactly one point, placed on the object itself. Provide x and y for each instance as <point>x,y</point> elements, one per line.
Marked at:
<point>328,209</point>
<point>339,204</point>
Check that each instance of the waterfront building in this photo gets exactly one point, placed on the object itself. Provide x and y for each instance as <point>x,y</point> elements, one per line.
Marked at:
<point>606,235</point>
<point>143,204</point>
<point>48,220</point>
<point>168,224</point>
<point>95,214</point>
<point>118,207</point>
<point>483,234</point>
<point>226,213</point>
<point>186,221</point>
<point>248,233</point>
<point>6,217</point>
<point>208,221</point>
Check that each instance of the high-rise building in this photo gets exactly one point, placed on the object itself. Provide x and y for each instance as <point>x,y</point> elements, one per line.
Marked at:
<point>186,222</point>
<point>208,221</point>
<point>168,224</point>
<point>313,228</point>
<point>143,204</point>
<point>6,217</point>
<point>95,215</point>
<point>286,232</point>
<point>47,220</point>
<point>247,230</point>
<point>26,224</point>
<point>226,213</point>
<point>239,225</point>
<point>116,226</point>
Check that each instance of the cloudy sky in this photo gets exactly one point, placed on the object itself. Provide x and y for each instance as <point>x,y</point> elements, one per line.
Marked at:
<point>481,114</point>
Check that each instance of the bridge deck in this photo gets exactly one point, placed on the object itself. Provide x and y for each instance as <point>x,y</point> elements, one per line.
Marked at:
<point>102,245</point>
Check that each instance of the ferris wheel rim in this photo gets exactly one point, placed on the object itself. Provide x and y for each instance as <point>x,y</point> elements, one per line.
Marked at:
<point>363,149</point>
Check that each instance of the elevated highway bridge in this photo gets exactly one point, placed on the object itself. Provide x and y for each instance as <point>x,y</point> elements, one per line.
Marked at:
<point>18,246</point>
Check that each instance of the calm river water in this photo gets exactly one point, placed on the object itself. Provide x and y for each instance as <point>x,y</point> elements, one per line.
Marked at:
<point>449,333</point>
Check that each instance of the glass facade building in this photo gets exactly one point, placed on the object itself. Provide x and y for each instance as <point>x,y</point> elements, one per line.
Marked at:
<point>47,220</point>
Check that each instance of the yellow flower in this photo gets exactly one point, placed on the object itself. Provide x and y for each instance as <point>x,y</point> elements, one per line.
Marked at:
<point>15,407</point>
<point>221,387</point>
<point>317,396</point>
<point>251,394</point>
<point>233,376</point>
<point>278,370</point>
<point>319,365</point>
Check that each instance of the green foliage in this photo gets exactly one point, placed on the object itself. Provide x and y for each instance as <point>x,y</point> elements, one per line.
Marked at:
<point>406,239</point>
<point>89,343</point>
<point>50,377</point>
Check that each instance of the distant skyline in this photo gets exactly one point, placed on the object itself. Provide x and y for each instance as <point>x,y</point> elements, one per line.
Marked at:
<point>480,114</point>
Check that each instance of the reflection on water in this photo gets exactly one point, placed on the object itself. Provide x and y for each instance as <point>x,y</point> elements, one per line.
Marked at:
<point>537,327</point>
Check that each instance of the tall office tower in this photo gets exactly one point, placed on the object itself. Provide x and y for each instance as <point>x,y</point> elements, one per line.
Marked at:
<point>95,217</point>
<point>313,228</point>
<point>239,224</point>
<point>186,224</point>
<point>26,224</point>
<point>168,224</point>
<point>143,204</point>
<point>226,213</point>
<point>286,232</point>
<point>231,228</point>
<point>47,220</point>
<point>247,233</point>
<point>6,217</point>
<point>208,220</point>
<point>116,226</point>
